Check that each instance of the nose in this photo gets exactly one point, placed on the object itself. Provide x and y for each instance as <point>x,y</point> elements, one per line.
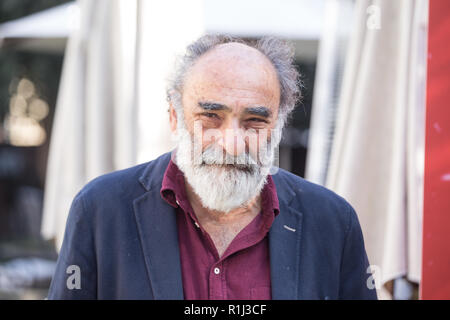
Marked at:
<point>233,141</point>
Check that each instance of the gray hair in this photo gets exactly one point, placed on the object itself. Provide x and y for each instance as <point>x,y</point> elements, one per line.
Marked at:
<point>279,52</point>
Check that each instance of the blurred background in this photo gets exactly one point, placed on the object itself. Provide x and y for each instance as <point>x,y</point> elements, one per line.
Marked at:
<point>82,93</point>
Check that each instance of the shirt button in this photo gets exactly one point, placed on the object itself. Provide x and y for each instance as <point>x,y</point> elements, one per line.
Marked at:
<point>216,270</point>
<point>177,202</point>
<point>196,224</point>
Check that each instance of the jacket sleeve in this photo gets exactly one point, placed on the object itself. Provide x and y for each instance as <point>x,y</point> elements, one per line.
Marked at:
<point>75,276</point>
<point>356,279</point>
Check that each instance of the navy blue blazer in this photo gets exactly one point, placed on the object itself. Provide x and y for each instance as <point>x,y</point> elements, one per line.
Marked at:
<point>121,242</point>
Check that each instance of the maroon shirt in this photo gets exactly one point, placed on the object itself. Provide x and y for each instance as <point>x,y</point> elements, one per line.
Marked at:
<point>243,271</point>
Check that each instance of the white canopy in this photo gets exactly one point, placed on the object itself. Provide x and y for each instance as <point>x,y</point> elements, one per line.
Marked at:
<point>297,19</point>
<point>56,22</point>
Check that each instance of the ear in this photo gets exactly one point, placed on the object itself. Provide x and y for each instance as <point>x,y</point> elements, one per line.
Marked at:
<point>172,117</point>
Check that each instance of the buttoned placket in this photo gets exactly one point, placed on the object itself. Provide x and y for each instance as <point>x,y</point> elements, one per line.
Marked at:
<point>217,272</point>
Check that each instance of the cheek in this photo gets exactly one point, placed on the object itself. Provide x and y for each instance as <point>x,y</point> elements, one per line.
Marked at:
<point>189,121</point>
<point>257,140</point>
<point>209,137</point>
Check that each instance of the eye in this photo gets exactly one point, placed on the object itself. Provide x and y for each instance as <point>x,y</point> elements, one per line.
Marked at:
<point>257,120</point>
<point>210,115</point>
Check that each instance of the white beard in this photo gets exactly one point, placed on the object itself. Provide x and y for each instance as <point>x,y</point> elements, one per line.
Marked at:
<point>219,187</point>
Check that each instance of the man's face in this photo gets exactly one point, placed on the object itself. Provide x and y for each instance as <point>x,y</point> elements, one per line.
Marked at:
<point>230,105</point>
<point>232,95</point>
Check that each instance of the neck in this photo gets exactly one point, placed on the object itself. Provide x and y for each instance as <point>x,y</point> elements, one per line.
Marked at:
<point>248,211</point>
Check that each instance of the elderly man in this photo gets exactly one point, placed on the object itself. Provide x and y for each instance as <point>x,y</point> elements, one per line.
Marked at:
<point>214,219</point>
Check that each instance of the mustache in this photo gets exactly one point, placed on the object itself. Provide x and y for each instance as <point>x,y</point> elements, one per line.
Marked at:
<point>216,156</point>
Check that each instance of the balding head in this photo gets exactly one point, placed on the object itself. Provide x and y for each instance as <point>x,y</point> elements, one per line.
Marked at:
<point>238,67</point>
<point>278,52</point>
<point>235,76</point>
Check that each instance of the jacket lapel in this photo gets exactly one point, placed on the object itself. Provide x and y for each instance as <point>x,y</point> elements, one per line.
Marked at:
<point>284,243</point>
<point>157,227</point>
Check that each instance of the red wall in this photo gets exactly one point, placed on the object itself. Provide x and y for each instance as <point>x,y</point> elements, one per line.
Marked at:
<point>436,224</point>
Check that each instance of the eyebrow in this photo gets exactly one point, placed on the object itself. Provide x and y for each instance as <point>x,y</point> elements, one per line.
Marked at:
<point>211,106</point>
<point>257,111</point>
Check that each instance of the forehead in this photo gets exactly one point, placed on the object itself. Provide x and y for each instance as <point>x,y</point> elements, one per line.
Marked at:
<point>233,74</point>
